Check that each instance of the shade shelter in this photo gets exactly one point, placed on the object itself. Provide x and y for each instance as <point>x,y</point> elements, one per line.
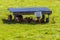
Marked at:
<point>30,11</point>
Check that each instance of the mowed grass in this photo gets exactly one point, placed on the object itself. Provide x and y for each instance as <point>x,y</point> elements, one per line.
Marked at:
<point>30,31</point>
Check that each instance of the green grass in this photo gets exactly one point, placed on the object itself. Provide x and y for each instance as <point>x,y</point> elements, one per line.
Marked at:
<point>30,31</point>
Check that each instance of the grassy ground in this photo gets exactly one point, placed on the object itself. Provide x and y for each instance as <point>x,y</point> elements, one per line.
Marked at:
<point>30,31</point>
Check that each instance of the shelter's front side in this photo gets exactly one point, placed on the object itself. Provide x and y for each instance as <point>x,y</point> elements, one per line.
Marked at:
<point>37,11</point>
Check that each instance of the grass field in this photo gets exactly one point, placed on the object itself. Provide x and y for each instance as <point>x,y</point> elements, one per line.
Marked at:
<point>30,31</point>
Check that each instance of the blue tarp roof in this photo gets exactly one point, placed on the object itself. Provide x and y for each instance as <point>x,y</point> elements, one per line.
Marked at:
<point>34,9</point>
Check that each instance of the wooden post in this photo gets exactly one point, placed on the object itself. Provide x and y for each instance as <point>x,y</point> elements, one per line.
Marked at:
<point>43,16</point>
